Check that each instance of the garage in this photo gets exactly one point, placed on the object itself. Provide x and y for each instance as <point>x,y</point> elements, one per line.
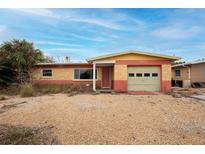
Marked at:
<point>144,78</point>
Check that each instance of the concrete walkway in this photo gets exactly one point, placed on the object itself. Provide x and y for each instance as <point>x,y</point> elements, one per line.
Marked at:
<point>200,96</point>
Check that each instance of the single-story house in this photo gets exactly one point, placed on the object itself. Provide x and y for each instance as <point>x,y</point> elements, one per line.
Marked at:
<point>188,74</point>
<point>129,71</point>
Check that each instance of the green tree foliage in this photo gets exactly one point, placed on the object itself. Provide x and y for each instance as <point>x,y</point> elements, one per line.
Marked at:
<point>7,74</point>
<point>16,60</point>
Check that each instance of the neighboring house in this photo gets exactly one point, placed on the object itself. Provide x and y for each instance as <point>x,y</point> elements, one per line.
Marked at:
<point>129,71</point>
<point>189,74</point>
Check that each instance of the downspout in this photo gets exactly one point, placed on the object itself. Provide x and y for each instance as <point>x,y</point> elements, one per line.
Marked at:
<point>94,80</point>
<point>189,73</point>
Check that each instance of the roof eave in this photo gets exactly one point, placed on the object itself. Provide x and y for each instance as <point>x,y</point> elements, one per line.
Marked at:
<point>188,64</point>
<point>59,64</point>
<point>181,65</point>
<point>173,58</point>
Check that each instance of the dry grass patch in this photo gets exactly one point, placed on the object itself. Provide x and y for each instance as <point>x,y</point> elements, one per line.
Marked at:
<point>10,90</point>
<point>61,88</point>
<point>2,98</point>
<point>21,135</point>
<point>27,91</point>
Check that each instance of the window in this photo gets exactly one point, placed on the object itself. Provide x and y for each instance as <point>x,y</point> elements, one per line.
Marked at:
<point>154,74</point>
<point>138,74</point>
<point>47,72</point>
<point>177,73</point>
<point>146,74</point>
<point>131,74</point>
<point>84,73</point>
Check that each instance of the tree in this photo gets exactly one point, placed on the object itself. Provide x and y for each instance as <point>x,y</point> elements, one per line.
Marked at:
<point>20,56</point>
<point>7,74</point>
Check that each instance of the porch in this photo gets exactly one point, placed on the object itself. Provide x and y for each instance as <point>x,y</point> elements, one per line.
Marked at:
<point>107,68</point>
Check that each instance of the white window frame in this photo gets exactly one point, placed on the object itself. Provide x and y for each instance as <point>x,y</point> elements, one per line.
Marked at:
<point>179,72</point>
<point>83,79</point>
<point>46,76</point>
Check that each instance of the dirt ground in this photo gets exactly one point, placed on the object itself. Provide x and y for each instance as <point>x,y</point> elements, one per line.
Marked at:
<point>188,91</point>
<point>110,118</point>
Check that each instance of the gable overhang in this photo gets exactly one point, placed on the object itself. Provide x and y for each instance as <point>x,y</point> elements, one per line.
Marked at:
<point>104,63</point>
<point>171,58</point>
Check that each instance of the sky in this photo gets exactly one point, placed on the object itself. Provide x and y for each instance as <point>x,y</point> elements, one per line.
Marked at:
<point>84,33</point>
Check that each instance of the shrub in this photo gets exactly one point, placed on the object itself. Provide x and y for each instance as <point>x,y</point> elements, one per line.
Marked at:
<point>52,88</point>
<point>47,89</point>
<point>61,88</point>
<point>22,135</point>
<point>10,90</point>
<point>27,91</point>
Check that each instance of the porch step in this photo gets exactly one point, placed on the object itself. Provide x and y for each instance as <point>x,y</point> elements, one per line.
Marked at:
<point>105,90</point>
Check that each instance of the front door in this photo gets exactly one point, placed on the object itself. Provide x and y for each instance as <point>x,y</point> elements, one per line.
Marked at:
<point>106,82</point>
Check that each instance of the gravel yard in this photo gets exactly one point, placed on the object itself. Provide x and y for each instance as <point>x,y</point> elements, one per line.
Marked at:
<point>110,118</point>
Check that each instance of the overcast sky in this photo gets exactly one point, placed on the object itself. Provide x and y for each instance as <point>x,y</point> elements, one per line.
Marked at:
<point>83,33</point>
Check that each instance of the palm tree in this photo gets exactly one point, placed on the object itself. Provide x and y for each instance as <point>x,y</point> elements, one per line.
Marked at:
<point>7,74</point>
<point>20,55</point>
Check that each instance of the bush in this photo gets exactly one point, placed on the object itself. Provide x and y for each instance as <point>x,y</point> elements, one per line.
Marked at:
<point>8,75</point>
<point>27,91</point>
<point>22,135</point>
<point>52,88</point>
<point>10,90</point>
<point>61,88</point>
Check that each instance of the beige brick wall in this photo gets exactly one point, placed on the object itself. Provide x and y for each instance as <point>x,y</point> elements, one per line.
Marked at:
<point>166,72</point>
<point>99,71</point>
<point>120,72</point>
<point>35,74</point>
<point>184,73</point>
<point>59,74</point>
<point>198,73</point>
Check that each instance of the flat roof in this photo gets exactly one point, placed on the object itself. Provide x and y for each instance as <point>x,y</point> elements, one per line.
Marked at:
<point>190,63</point>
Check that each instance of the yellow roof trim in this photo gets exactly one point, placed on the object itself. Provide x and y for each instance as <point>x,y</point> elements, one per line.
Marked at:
<point>134,52</point>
